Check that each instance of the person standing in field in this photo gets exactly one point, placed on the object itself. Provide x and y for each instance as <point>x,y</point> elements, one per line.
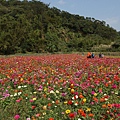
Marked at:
<point>88,55</point>
<point>92,55</point>
<point>101,55</point>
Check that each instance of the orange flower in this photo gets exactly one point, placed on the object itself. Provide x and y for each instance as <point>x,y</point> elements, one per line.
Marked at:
<point>102,99</point>
<point>49,104</point>
<point>33,118</point>
<point>90,115</point>
<point>95,99</point>
<point>44,95</point>
<point>80,111</point>
<point>81,96</point>
<point>104,106</point>
<point>72,85</point>
<point>15,91</point>
<point>57,101</point>
<point>109,105</point>
<point>106,84</point>
<point>51,119</point>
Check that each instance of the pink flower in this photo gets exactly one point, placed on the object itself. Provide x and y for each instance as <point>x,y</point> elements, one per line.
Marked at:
<point>28,119</point>
<point>31,100</point>
<point>92,92</point>
<point>118,114</point>
<point>114,86</point>
<point>16,117</point>
<point>100,90</point>
<point>63,94</point>
<point>37,115</point>
<point>18,100</point>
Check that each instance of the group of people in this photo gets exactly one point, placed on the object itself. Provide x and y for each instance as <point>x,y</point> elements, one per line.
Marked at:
<point>101,55</point>
<point>92,55</point>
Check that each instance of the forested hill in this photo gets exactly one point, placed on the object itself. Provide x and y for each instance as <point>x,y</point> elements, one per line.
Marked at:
<point>32,26</point>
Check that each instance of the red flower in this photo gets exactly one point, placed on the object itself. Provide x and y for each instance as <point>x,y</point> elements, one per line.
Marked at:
<point>72,115</point>
<point>33,107</point>
<point>69,102</point>
<point>83,114</point>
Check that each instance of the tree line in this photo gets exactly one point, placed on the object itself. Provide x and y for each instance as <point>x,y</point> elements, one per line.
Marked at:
<point>32,26</point>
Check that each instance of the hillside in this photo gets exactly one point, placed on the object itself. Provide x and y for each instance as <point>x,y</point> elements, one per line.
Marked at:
<point>32,26</point>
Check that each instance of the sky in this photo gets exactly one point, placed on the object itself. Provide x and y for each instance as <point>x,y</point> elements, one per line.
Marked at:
<point>103,10</point>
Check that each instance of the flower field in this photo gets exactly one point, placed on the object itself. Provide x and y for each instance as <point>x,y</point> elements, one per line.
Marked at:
<point>59,87</point>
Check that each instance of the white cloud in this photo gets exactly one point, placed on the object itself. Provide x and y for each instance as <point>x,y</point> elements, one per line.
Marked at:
<point>61,2</point>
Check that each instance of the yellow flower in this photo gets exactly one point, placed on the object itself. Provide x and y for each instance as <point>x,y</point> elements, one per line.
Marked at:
<point>44,107</point>
<point>95,94</point>
<point>84,100</point>
<point>34,92</point>
<point>34,99</point>
<point>112,119</point>
<point>45,89</point>
<point>88,110</point>
<point>67,111</point>
<point>65,102</point>
<point>72,90</point>
<point>69,88</point>
<point>21,79</point>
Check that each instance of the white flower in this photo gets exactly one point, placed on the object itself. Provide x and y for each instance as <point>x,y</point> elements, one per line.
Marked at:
<point>73,98</point>
<point>19,87</point>
<point>15,94</point>
<point>76,96</point>
<point>57,91</point>
<point>24,86</point>
<point>105,94</point>
<point>19,93</point>
<point>76,104</point>
<point>11,95</point>
<point>44,113</point>
<point>116,93</point>
<point>52,91</point>
<point>106,99</point>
